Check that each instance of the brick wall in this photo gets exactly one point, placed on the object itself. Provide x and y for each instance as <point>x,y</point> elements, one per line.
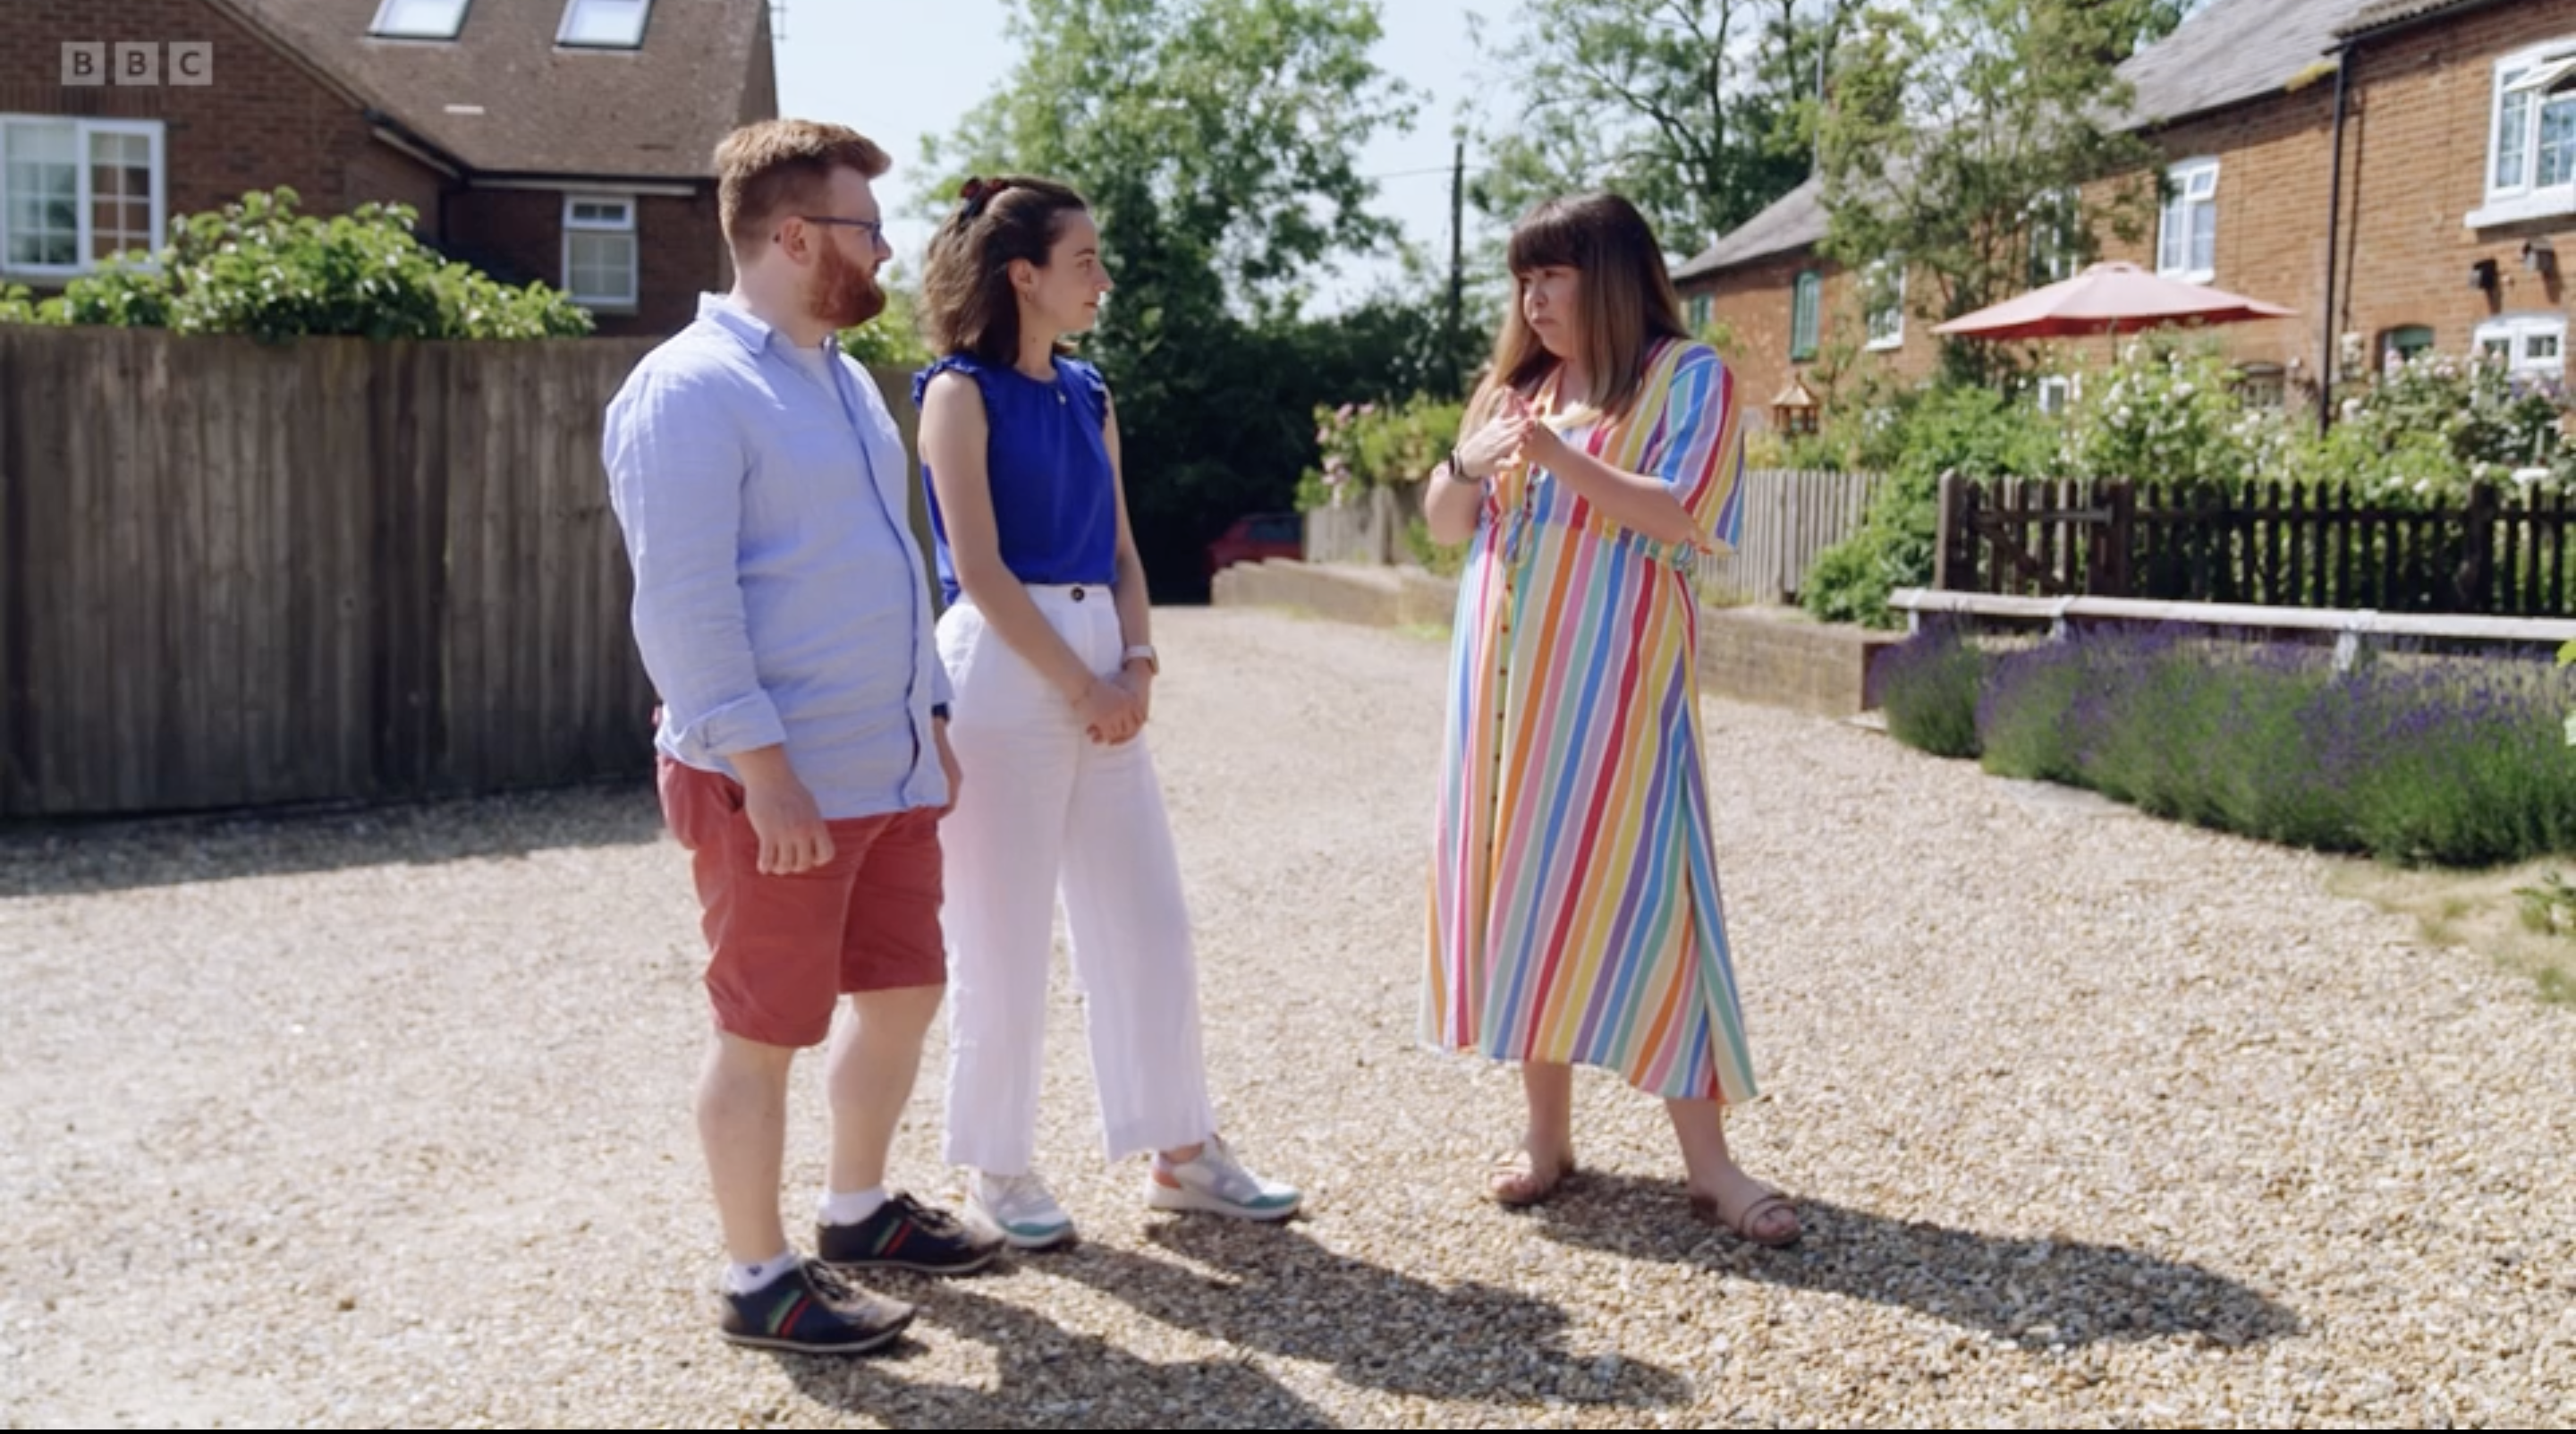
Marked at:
<point>1757,301</point>
<point>266,121</point>
<point>2274,178</point>
<point>263,121</point>
<point>2415,157</point>
<point>517,235</point>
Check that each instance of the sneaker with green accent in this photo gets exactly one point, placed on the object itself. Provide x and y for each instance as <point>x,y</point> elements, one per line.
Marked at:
<point>1217,1182</point>
<point>905,1234</point>
<point>1022,1208</point>
<point>809,1310</point>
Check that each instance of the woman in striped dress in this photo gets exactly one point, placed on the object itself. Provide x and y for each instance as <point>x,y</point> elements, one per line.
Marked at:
<point>1575,915</point>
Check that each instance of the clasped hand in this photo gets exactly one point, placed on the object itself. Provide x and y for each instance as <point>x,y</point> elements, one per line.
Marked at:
<point>1514,433</point>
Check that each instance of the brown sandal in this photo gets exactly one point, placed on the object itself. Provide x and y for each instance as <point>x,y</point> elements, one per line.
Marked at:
<point>1743,1221</point>
<point>1516,1181</point>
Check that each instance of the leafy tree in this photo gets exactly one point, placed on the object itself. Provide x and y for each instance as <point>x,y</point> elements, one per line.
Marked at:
<point>1696,110</point>
<point>257,267</point>
<point>1969,138</point>
<point>1236,123</point>
<point>1217,142</point>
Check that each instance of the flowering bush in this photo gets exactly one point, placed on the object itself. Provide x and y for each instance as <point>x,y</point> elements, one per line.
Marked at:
<point>1366,445</point>
<point>2410,758</point>
<point>2429,427</point>
<point>2171,411</point>
<point>1928,685</point>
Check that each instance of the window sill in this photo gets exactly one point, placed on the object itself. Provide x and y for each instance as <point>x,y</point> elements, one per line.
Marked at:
<point>619,307</point>
<point>2542,204</point>
<point>1882,346</point>
<point>2189,276</point>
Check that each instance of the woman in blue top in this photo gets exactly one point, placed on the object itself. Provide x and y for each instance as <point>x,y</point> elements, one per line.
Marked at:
<point>1048,642</point>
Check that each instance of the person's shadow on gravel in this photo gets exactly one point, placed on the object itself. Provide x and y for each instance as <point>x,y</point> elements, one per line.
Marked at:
<point>1274,1289</point>
<point>1049,1378</point>
<point>2035,1292</point>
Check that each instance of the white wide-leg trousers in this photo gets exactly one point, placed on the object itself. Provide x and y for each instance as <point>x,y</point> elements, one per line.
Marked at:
<point>1043,808</point>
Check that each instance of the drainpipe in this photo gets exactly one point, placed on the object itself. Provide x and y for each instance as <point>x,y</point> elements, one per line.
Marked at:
<point>2334,241</point>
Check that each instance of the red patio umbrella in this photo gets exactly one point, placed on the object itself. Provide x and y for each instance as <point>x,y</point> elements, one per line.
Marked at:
<point>2109,298</point>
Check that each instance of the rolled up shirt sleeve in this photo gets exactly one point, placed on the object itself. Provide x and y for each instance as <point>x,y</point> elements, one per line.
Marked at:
<point>676,462</point>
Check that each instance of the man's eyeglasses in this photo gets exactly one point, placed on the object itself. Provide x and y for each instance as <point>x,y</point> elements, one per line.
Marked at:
<point>875,227</point>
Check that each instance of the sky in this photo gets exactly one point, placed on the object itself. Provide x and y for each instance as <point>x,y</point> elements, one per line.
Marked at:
<point>898,71</point>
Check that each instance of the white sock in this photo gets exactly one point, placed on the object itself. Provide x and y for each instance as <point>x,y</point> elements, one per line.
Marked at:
<point>839,1209</point>
<point>743,1279</point>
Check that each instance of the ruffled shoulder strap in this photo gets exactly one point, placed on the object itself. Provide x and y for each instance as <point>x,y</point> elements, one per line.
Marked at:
<point>966,364</point>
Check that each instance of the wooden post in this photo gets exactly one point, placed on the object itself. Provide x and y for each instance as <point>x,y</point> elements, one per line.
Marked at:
<point>2476,577</point>
<point>1946,572</point>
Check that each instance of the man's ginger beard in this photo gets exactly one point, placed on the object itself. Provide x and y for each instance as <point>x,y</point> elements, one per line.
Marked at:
<point>844,294</point>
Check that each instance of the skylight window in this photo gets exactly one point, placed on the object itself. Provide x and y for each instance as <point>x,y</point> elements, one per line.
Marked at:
<point>420,19</point>
<point>606,24</point>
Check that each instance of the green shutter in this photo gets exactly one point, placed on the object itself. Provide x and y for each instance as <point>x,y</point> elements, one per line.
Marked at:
<point>1807,300</point>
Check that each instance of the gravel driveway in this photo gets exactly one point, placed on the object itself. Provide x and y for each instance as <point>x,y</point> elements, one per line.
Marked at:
<point>385,1119</point>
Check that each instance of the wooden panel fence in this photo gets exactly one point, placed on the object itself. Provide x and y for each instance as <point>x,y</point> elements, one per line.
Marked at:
<point>2273,544</point>
<point>234,575</point>
<point>1790,517</point>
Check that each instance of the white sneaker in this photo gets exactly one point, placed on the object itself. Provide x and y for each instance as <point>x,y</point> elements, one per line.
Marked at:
<point>1021,1207</point>
<point>1218,1183</point>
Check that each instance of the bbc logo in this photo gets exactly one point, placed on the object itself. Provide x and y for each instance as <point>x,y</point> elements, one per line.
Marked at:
<point>138,62</point>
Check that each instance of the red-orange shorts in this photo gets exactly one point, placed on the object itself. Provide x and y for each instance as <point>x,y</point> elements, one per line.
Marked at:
<point>784,948</point>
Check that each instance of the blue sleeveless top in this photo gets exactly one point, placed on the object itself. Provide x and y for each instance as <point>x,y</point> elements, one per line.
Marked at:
<point>1054,502</point>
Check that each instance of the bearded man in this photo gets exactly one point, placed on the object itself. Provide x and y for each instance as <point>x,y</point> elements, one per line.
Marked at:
<point>803,758</point>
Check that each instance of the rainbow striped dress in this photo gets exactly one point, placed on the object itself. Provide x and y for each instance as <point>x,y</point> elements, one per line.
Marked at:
<point>1575,914</point>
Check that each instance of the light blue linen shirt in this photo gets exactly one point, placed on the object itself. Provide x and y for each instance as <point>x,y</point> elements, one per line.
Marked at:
<point>779,594</point>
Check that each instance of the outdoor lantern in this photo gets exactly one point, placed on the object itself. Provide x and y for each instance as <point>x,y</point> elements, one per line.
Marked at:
<point>1795,409</point>
<point>2482,276</point>
<point>2539,255</point>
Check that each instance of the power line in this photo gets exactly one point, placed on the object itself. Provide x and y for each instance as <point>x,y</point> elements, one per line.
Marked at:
<point>1441,169</point>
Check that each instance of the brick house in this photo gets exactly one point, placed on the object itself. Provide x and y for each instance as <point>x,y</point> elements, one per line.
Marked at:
<point>2394,170</point>
<point>565,141</point>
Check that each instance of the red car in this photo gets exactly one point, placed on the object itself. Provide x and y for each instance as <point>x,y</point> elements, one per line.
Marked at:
<point>1261,535</point>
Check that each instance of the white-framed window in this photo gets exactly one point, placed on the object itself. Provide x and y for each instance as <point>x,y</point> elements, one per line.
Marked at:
<point>74,191</point>
<point>2053,218</point>
<point>2056,391</point>
<point>2187,234</point>
<point>605,24</point>
<point>2531,135</point>
<point>1885,285</point>
<point>2527,343</point>
<point>2263,385</point>
<point>600,252</point>
<point>419,19</point>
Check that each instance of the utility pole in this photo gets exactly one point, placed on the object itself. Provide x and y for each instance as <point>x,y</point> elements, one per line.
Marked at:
<point>1457,268</point>
<point>1824,47</point>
